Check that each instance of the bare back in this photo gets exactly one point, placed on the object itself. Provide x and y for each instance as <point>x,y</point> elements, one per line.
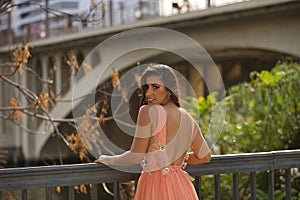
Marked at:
<point>179,132</point>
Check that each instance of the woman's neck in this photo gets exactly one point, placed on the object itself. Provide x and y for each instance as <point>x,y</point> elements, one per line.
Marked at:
<point>169,103</point>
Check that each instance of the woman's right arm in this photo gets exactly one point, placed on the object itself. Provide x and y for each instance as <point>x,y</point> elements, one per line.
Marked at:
<point>139,145</point>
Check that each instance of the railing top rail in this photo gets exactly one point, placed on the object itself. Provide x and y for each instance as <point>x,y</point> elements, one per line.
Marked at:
<point>248,162</point>
<point>63,175</point>
<point>59,175</point>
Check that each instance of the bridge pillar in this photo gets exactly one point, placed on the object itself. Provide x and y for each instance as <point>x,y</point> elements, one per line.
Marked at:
<point>10,128</point>
<point>72,76</point>
<point>1,99</point>
<point>45,72</point>
<point>197,82</point>
<point>58,64</point>
<point>213,81</point>
<point>17,131</point>
<point>234,72</point>
<point>36,141</point>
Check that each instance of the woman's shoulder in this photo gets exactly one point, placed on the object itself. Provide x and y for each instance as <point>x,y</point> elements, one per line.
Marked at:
<point>184,111</point>
<point>187,115</point>
<point>156,114</point>
<point>151,108</point>
<point>153,111</point>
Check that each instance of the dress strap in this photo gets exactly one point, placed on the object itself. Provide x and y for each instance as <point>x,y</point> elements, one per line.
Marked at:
<point>160,118</point>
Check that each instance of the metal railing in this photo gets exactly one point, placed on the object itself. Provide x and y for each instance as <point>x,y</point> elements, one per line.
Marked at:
<point>49,177</point>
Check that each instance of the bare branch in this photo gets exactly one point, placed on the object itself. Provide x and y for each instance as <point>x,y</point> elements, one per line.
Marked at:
<point>12,65</point>
<point>5,5</point>
<point>29,95</point>
<point>37,75</point>
<point>37,104</point>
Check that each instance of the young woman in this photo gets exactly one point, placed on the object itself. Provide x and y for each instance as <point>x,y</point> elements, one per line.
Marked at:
<point>164,134</point>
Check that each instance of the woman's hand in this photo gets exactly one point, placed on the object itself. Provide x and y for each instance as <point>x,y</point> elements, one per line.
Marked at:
<point>106,160</point>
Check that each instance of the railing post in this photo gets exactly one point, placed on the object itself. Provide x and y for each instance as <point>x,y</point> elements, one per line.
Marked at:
<point>235,186</point>
<point>136,180</point>
<point>116,191</point>
<point>288,185</point>
<point>253,185</point>
<point>24,194</point>
<point>198,186</point>
<point>217,180</point>
<point>71,192</point>
<point>48,194</point>
<point>94,192</point>
<point>271,184</point>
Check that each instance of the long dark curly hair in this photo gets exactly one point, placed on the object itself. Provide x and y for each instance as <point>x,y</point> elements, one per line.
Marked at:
<point>168,78</point>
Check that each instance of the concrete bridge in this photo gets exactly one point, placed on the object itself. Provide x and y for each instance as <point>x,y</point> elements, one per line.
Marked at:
<point>239,37</point>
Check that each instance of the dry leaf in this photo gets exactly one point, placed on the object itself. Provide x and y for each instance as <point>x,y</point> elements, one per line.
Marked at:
<point>58,189</point>
<point>115,78</point>
<point>18,55</point>
<point>20,69</point>
<point>35,106</point>
<point>87,69</point>
<point>45,100</point>
<point>101,119</point>
<point>75,62</point>
<point>21,55</point>
<point>94,5</point>
<point>26,54</point>
<point>17,115</point>
<point>83,189</point>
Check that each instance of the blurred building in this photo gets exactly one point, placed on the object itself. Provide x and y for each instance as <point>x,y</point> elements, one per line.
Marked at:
<point>31,16</point>
<point>30,20</point>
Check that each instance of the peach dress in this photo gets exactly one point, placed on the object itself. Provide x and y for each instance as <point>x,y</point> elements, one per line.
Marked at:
<point>160,180</point>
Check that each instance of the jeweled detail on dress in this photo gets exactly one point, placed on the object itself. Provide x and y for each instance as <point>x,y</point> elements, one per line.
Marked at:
<point>144,162</point>
<point>165,171</point>
<point>158,158</point>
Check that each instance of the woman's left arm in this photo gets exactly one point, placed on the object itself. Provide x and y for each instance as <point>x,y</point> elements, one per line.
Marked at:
<point>201,152</point>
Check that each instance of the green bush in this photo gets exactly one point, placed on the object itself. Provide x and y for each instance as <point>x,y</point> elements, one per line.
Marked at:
<point>261,115</point>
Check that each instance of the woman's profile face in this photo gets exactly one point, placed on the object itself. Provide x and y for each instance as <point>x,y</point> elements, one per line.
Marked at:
<point>156,92</point>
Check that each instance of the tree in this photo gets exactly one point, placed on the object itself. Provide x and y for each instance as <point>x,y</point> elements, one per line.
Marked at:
<point>37,105</point>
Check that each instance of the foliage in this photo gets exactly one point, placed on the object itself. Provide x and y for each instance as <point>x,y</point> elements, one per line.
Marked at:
<point>262,115</point>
